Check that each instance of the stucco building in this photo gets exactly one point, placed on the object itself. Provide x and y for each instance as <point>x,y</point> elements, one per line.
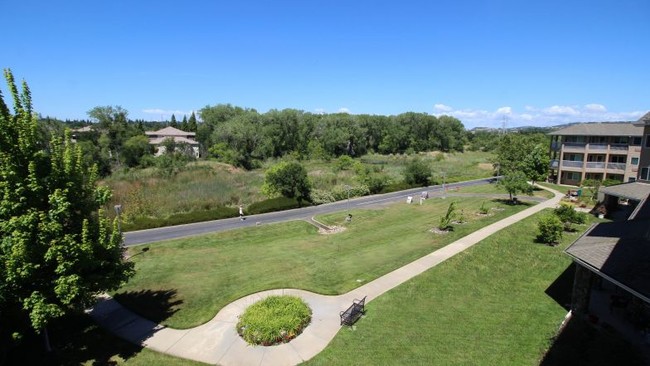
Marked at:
<point>157,138</point>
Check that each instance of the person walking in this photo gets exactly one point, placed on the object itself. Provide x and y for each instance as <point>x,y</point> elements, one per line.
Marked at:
<point>241,212</point>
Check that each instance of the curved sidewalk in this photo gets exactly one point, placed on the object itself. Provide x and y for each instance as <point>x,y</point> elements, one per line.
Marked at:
<point>217,342</point>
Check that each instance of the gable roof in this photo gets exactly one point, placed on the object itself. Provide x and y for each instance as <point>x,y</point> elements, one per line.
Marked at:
<point>170,132</point>
<point>618,251</point>
<point>177,139</point>
<point>644,120</point>
<point>600,129</point>
<point>637,191</point>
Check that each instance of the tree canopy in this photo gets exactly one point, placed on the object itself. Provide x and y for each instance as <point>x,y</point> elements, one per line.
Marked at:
<point>289,179</point>
<point>57,249</point>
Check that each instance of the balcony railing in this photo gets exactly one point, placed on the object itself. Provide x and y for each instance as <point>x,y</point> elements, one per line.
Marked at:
<point>597,146</point>
<point>572,164</point>
<point>595,165</point>
<point>616,166</point>
<point>618,147</point>
<point>555,164</point>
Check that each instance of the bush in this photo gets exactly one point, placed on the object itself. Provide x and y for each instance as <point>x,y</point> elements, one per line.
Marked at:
<point>340,193</point>
<point>417,173</point>
<point>484,209</point>
<point>141,223</point>
<point>344,162</point>
<point>319,196</point>
<point>445,221</point>
<point>399,186</point>
<point>550,229</point>
<point>568,215</point>
<point>273,204</point>
<point>274,320</point>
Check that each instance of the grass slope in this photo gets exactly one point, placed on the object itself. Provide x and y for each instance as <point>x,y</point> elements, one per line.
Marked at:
<point>185,282</point>
<point>485,306</point>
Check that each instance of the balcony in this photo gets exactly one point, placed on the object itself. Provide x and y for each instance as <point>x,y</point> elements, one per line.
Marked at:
<point>573,146</point>
<point>616,166</point>
<point>597,147</point>
<point>572,164</point>
<point>618,147</point>
<point>555,164</point>
<point>596,165</point>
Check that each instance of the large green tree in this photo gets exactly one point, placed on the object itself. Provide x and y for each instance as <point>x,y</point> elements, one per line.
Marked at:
<point>536,163</point>
<point>289,179</point>
<point>57,250</point>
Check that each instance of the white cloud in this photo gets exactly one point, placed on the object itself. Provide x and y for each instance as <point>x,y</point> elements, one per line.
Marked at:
<point>537,116</point>
<point>504,111</point>
<point>595,108</point>
<point>165,112</point>
<point>343,110</point>
<point>561,110</point>
<point>319,111</point>
<point>442,108</point>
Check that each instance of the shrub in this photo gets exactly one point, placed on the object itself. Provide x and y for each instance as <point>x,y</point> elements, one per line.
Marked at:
<point>484,209</point>
<point>341,192</point>
<point>274,320</point>
<point>273,204</point>
<point>445,221</point>
<point>141,223</point>
<point>417,173</point>
<point>344,162</point>
<point>399,186</point>
<point>550,229</point>
<point>319,196</point>
<point>568,215</point>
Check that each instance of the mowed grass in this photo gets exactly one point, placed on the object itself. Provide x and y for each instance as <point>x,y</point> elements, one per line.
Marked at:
<point>184,283</point>
<point>498,190</point>
<point>485,306</point>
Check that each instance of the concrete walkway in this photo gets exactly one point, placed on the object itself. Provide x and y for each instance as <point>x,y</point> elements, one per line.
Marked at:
<point>217,342</point>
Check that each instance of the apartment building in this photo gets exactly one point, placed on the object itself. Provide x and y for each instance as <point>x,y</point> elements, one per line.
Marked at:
<point>596,151</point>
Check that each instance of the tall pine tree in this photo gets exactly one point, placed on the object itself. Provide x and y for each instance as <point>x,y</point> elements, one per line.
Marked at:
<point>57,249</point>
<point>191,124</point>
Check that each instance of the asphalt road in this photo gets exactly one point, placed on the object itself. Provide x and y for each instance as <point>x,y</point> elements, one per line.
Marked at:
<point>133,238</point>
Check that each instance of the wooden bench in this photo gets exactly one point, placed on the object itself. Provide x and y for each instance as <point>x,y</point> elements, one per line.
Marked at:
<point>354,312</point>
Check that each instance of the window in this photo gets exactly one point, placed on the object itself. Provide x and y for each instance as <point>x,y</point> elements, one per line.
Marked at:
<point>635,161</point>
<point>619,140</point>
<point>631,179</point>
<point>636,141</point>
<point>617,158</point>
<point>647,140</point>
<point>644,174</point>
<point>573,175</point>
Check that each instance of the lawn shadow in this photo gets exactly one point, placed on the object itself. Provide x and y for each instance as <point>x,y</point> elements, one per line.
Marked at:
<point>156,306</point>
<point>560,290</point>
<point>580,343</point>
<point>515,202</point>
<point>76,340</point>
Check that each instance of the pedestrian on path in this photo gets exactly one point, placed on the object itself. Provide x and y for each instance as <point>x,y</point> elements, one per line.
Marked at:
<point>241,212</point>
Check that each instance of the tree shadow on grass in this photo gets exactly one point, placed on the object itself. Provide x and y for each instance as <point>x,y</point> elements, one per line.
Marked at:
<point>76,339</point>
<point>507,201</point>
<point>156,306</point>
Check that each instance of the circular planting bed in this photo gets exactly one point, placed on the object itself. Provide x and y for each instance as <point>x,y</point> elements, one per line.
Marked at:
<point>274,320</point>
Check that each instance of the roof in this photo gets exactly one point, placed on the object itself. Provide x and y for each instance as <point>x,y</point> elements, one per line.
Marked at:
<point>644,120</point>
<point>619,251</point>
<point>601,129</point>
<point>637,191</point>
<point>177,139</point>
<point>170,132</point>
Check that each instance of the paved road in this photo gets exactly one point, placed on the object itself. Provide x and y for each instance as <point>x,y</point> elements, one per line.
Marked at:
<point>173,232</point>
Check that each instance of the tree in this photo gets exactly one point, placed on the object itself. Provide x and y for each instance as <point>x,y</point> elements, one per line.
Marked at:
<point>445,221</point>
<point>536,163</point>
<point>514,183</point>
<point>135,148</point>
<point>112,123</point>
<point>173,122</point>
<point>58,251</point>
<point>417,172</point>
<point>191,123</point>
<point>288,179</point>
<point>184,125</point>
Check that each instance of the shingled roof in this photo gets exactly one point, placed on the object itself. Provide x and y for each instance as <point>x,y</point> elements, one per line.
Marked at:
<point>619,251</point>
<point>601,129</point>
<point>645,120</point>
<point>637,191</point>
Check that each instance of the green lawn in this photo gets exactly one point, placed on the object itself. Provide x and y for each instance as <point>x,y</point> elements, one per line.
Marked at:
<point>485,306</point>
<point>496,189</point>
<point>185,282</point>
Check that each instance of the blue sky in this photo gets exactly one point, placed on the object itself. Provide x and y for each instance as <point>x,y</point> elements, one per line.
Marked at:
<point>526,62</point>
